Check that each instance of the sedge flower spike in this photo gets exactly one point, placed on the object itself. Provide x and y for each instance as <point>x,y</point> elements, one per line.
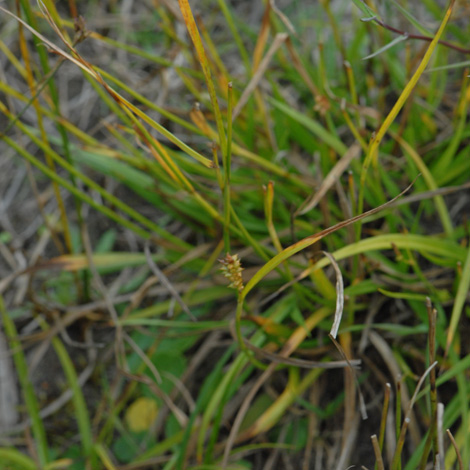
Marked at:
<point>232,270</point>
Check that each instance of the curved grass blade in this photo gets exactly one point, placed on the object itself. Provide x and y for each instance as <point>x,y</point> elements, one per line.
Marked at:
<point>19,460</point>
<point>308,241</point>
<point>423,244</point>
<point>274,413</point>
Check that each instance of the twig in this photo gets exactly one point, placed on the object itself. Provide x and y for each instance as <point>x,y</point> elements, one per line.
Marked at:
<point>420,37</point>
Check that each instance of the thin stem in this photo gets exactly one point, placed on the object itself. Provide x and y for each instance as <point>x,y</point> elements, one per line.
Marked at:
<point>227,157</point>
<point>421,37</point>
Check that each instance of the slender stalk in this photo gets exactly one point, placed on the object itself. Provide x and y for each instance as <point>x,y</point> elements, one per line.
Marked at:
<point>227,161</point>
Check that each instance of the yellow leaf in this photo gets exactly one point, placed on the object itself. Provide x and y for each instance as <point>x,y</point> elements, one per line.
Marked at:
<point>141,414</point>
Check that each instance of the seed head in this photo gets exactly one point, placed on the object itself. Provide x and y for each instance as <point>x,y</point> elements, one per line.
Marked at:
<point>232,270</point>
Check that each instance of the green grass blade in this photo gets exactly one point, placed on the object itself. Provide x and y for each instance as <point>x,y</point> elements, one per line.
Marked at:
<point>32,406</point>
<point>431,183</point>
<point>317,129</point>
<point>302,244</point>
<point>459,302</point>
<point>88,181</point>
<point>17,459</point>
<point>85,198</point>
<point>376,141</point>
<point>81,410</point>
<point>365,9</point>
<point>412,19</point>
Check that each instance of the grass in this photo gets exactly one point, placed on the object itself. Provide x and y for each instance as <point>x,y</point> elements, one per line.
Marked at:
<point>235,237</point>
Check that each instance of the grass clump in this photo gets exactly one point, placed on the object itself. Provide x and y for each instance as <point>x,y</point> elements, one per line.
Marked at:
<point>235,236</point>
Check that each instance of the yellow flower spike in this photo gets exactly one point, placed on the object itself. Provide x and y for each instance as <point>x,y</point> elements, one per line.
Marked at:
<point>232,270</point>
